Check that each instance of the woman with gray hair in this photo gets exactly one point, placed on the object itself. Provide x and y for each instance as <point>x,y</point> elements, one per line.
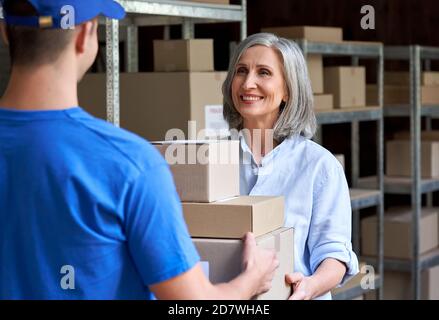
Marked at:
<point>268,100</point>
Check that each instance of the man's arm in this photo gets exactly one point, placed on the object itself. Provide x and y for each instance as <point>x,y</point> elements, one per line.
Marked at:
<point>259,266</point>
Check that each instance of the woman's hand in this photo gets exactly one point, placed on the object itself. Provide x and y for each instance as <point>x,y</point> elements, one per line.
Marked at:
<point>304,288</point>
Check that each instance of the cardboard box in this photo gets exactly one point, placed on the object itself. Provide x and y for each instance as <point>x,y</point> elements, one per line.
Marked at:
<point>340,158</point>
<point>398,158</point>
<point>183,55</point>
<point>234,217</point>
<point>222,260</point>
<point>432,135</point>
<point>203,171</point>
<point>347,85</point>
<point>315,70</point>
<point>398,286</point>
<point>155,102</point>
<point>397,233</point>
<point>323,102</point>
<point>310,33</point>
<point>428,78</point>
<point>401,95</point>
<point>211,1</point>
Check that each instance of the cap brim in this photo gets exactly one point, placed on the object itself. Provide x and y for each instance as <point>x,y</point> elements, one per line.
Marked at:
<point>112,9</point>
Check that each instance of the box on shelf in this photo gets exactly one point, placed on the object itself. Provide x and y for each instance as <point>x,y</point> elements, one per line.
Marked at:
<point>401,95</point>
<point>397,285</point>
<point>183,55</point>
<point>234,217</point>
<point>347,85</point>
<point>315,70</point>
<point>397,233</point>
<point>323,102</point>
<point>203,171</point>
<point>222,259</point>
<point>154,102</point>
<point>432,135</point>
<point>310,33</point>
<point>428,78</point>
<point>398,158</point>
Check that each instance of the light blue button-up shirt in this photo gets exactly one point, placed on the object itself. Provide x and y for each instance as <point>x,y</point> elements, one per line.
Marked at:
<point>317,202</point>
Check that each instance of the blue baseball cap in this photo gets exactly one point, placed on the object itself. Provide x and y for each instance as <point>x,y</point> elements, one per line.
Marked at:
<point>52,12</point>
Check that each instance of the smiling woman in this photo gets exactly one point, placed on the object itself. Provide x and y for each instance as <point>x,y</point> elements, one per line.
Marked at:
<point>268,99</point>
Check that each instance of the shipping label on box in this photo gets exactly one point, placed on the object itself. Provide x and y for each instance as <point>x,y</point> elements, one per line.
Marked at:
<point>216,125</point>
<point>224,258</point>
<point>232,218</point>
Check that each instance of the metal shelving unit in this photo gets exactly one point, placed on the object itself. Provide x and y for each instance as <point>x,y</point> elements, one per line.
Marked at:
<point>415,186</point>
<point>158,12</point>
<point>367,197</point>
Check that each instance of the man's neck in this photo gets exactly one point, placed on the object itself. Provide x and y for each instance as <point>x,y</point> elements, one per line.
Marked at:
<point>44,88</point>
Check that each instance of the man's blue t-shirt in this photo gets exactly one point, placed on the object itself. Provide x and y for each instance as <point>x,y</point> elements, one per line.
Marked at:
<point>87,210</point>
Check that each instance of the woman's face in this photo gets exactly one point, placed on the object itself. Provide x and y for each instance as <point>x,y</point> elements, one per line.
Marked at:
<point>258,85</point>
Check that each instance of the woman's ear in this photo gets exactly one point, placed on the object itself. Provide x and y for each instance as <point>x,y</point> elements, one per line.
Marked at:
<point>4,34</point>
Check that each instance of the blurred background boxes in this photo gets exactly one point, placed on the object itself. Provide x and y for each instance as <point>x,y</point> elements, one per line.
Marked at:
<point>347,85</point>
<point>311,33</point>
<point>323,102</point>
<point>397,233</point>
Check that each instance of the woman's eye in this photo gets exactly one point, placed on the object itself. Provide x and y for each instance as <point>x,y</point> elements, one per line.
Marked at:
<point>264,72</point>
<point>241,70</point>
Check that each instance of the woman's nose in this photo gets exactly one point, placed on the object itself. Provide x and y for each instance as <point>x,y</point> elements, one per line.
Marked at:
<point>250,82</point>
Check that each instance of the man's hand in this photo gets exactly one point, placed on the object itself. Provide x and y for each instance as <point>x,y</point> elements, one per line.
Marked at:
<point>303,287</point>
<point>260,262</point>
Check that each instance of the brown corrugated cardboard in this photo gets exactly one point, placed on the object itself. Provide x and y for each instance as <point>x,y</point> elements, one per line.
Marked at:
<point>347,85</point>
<point>398,286</point>
<point>203,171</point>
<point>401,95</point>
<point>234,217</point>
<point>153,103</point>
<point>222,259</point>
<point>315,69</point>
<point>397,233</point>
<point>432,135</point>
<point>323,102</point>
<point>428,78</point>
<point>183,55</point>
<point>398,159</point>
<point>311,33</point>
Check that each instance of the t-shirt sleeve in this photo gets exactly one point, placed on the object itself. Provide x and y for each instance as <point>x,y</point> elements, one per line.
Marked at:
<point>330,228</point>
<point>157,235</point>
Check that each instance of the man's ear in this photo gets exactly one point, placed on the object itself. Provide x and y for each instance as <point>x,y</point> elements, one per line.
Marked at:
<point>4,34</point>
<point>83,32</point>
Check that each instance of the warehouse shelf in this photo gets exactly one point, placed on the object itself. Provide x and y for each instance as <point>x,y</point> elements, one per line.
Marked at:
<point>400,185</point>
<point>415,185</point>
<point>364,198</point>
<point>353,289</point>
<point>348,115</point>
<point>359,198</point>
<point>427,260</point>
<point>404,111</point>
<point>158,12</point>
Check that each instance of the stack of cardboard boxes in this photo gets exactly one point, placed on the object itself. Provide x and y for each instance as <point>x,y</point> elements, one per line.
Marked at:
<point>397,89</point>
<point>333,87</point>
<point>206,174</point>
<point>183,88</point>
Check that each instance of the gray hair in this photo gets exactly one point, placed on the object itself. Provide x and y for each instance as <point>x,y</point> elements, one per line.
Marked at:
<point>297,116</point>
